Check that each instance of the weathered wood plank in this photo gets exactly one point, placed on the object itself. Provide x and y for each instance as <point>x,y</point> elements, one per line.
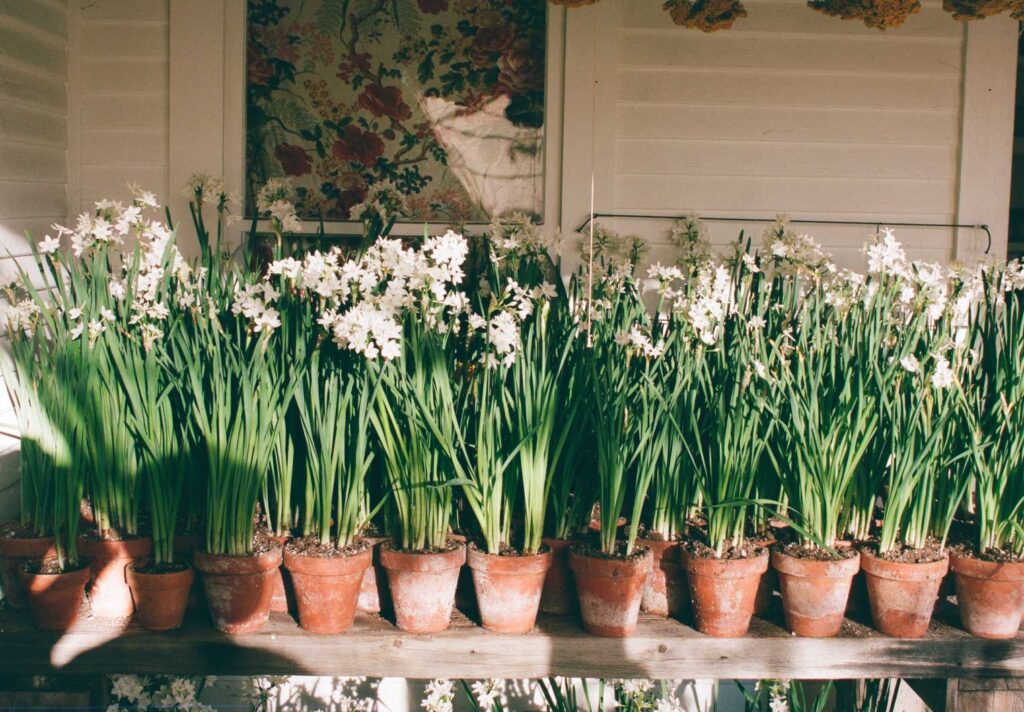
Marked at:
<point>660,649</point>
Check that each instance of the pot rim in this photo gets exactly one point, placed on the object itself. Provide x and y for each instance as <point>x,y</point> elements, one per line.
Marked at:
<point>878,567</point>
<point>512,565</point>
<point>591,565</point>
<point>39,547</point>
<point>330,566</point>
<point>137,577</point>
<point>422,561</point>
<point>812,568</point>
<point>973,567</point>
<point>725,568</point>
<point>228,564</point>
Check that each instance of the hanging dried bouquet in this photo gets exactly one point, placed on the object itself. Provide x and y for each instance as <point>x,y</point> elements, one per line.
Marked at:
<point>705,15</point>
<point>880,14</point>
<point>980,9</point>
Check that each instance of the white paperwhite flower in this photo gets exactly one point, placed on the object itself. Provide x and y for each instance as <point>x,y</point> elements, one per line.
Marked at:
<point>183,691</point>
<point>107,315</point>
<point>143,197</point>
<point>943,376</point>
<point>267,321</point>
<point>116,289</point>
<point>487,692</point>
<point>127,688</point>
<point>760,369</point>
<point>440,696</point>
<point>910,363</point>
<point>49,245</point>
<point>885,255</point>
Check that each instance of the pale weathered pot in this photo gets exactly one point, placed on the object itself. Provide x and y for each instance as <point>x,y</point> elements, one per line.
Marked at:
<point>559,593</point>
<point>54,600</point>
<point>508,589</point>
<point>109,595</point>
<point>422,586</point>
<point>327,588</point>
<point>15,552</point>
<point>902,595</point>
<point>723,591</point>
<point>814,593</point>
<point>373,591</point>
<point>239,589</point>
<point>990,596</point>
<point>282,587</point>
<point>665,593</point>
<point>610,591</point>
<point>160,598</point>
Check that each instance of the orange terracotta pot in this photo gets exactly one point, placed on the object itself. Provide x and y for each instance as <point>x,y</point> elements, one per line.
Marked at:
<point>902,595</point>
<point>373,591</point>
<point>282,587</point>
<point>990,596</point>
<point>327,589</point>
<point>610,591</point>
<point>160,598</point>
<point>666,592</point>
<point>15,552</point>
<point>814,593</point>
<point>422,587</point>
<point>109,595</point>
<point>508,589</point>
<point>239,589</point>
<point>54,600</point>
<point>559,593</point>
<point>723,591</point>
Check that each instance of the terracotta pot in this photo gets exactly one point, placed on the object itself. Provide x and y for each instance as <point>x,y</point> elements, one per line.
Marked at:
<point>282,589</point>
<point>559,593</point>
<point>902,595</point>
<point>109,595</point>
<point>239,588</point>
<point>610,591</point>
<point>990,596</point>
<point>54,600</point>
<point>15,552</point>
<point>327,589</point>
<point>665,593</point>
<point>160,598</point>
<point>373,591</point>
<point>508,589</point>
<point>814,593</point>
<point>769,582</point>
<point>723,591</point>
<point>422,587</point>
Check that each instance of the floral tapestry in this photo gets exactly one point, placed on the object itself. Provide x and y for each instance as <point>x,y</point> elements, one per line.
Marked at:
<point>441,99</point>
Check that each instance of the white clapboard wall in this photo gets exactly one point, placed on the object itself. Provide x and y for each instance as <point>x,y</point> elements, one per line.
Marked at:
<point>33,160</point>
<point>122,62</point>
<point>790,111</point>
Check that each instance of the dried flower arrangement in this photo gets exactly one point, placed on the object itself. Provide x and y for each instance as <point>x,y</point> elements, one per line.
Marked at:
<point>705,15</point>
<point>880,14</point>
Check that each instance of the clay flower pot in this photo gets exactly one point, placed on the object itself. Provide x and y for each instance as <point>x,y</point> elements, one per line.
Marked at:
<point>54,600</point>
<point>902,595</point>
<point>109,595</point>
<point>15,552</point>
<point>665,593</point>
<point>814,593</point>
<point>990,595</point>
<point>422,586</point>
<point>327,588</point>
<point>160,598</point>
<point>610,591</point>
<point>239,588</point>
<point>279,604</point>
<point>373,591</point>
<point>723,591</point>
<point>508,589</point>
<point>559,593</point>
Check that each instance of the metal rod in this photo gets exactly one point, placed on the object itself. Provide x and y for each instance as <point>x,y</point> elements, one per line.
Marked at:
<point>730,218</point>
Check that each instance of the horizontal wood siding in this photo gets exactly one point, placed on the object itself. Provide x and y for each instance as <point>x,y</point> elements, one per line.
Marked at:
<point>33,161</point>
<point>788,112</point>
<point>123,79</point>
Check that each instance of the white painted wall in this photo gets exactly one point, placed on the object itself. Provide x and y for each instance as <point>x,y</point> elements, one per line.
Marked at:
<point>793,112</point>
<point>34,37</point>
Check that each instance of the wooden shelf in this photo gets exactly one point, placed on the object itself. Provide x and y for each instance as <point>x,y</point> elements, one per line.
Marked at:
<point>660,649</point>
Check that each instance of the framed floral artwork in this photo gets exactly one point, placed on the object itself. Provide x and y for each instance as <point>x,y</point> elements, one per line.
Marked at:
<point>443,100</point>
